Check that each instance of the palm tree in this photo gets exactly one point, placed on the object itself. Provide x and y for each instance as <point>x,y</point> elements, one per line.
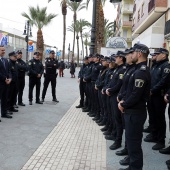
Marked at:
<point>103,2</point>
<point>86,35</point>
<point>75,7</point>
<point>83,23</point>
<point>108,30</point>
<point>39,18</point>
<point>64,13</point>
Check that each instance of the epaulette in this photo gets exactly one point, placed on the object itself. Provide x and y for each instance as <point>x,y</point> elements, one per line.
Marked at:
<point>124,67</point>
<point>143,67</point>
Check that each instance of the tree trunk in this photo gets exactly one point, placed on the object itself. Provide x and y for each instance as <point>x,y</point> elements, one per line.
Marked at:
<point>74,19</point>
<point>77,37</point>
<point>82,44</point>
<point>64,36</point>
<point>40,43</point>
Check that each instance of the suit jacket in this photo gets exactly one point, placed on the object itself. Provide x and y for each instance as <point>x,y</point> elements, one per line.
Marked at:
<point>4,71</point>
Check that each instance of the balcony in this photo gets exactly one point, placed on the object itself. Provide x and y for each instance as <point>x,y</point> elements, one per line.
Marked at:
<point>167,30</point>
<point>151,5</point>
<point>128,9</point>
<point>127,24</point>
<point>115,1</point>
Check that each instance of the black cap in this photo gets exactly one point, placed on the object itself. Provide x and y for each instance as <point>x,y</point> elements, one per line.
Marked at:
<point>162,50</point>
<point>128,51</point>
<point>112,59</point>
<point>85,58</point>
<point>13,53</point>
<point>52,51</point>
<point>141,48</point>
<point>152,54</point>
<point>90,55</point>
<point>19,52</point>
<point>36,53</point>
<point>120,54</point>
<point>106,58</point>
<point>96,55</point>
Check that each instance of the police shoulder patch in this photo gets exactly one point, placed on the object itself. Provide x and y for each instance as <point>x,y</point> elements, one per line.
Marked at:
<point>139,83</point>
<point>29,63</point>
<point>124,67</point>
<point>166,70</point>
<point>143,67</point>
<point>120,76</point>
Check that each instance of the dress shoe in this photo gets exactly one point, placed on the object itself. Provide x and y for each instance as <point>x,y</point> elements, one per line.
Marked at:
<point>122,152</point>
<point>42,100</point>
<point>30,102</point>
<point>9,112</point>
<point>124,168</point>
<point>107,132</point>
<point>15,106</point>
<point>115,145</point>
<point>55,100</point>
<point>6,116</point>
<point>149,135</point>
<point>109,137</point>
<point>84,107</point>
<point>13,110</point>
<point>85,110</point>
<point>92,115</point>
<point>21,104</point>
<point>79,106</point>
<point>165,151</point>
<point>168,162</point>
<point>147,130</point>
<point>39,102</point>
<point>100,120</point>
<point>125,161</point>
<point>150,139</point>
<point>103,123</point>
<point>158,146</point>
<point>97,117</point>
<point>104,129</point>
<point>168,166</point>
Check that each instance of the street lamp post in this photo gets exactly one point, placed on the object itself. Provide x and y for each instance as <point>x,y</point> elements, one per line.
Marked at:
<point>68,52</point>
<point>56,50</point>
<point>28,33</point>
<point>93,30</point>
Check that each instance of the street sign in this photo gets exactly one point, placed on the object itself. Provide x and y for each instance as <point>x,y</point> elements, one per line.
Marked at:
<point>47,51</point>
<point>30,48</point>
<point>58,53</point>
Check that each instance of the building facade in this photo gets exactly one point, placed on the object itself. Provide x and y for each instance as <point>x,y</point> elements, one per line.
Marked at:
<point>124,20</point>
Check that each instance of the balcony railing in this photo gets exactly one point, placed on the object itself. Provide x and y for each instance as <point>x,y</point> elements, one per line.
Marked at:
<point>151,5</point>
<point>167,28</point>
<point>128,8</point>
<point>127,23</point>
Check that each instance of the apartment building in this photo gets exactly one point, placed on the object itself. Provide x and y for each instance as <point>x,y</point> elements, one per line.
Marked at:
<point>124,20</point>
<point>150,20</point>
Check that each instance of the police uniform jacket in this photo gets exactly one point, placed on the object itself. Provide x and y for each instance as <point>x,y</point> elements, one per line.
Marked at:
<point>51,66</point>
<point>138,90</point>
<point>159,74</point>
<point>87,75</point>
<point>108,78</point>
<point>13,70</point>
<point>35,67</point>
<point>129,70</point>
<point>100,80</point>
<point>95,71</point>
<point>117,80</point>
<point>82,71</point>
<point>22,67</point>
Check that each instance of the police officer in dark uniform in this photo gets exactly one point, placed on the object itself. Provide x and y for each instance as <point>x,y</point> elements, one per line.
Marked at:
<point>113,90</point>
<point>158,89</point>
<point>82,85</point>
<point>130,68</point>
<point>50,74</point>
<point>22,68</point>
<point>36,69</point>
<point>133,106</point>
<point>87,80</point>
<point>12,88</point>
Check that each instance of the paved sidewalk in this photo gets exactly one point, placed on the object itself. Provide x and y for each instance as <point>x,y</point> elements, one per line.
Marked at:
<point>76,143</point>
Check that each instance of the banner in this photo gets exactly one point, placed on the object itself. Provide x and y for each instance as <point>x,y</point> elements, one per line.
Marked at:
<point>4,38</point>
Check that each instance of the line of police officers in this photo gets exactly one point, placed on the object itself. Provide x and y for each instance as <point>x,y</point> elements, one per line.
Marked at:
<point>118,91</point>
<point>12,79</point>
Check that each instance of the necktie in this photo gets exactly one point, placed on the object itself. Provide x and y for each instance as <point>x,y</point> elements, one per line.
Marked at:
<point>3,61</point>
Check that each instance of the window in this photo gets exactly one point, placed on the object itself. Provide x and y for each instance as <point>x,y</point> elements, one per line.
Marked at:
<point>138,15</point>
<point>142,11</point>
<point>130,17</point>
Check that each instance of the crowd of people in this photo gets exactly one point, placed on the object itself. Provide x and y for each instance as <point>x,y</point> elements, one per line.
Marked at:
<point>12,79</point>
<point>118,92</point>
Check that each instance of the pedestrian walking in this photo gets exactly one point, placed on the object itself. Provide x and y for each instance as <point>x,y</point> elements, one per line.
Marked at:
<point>22,69</point>
<point>35,68</point>
<point>72,69</point>
<point>50,75</point>
<point>61,68</point>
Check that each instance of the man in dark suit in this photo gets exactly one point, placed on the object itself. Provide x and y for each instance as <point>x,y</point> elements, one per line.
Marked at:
<point>5,80</point>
